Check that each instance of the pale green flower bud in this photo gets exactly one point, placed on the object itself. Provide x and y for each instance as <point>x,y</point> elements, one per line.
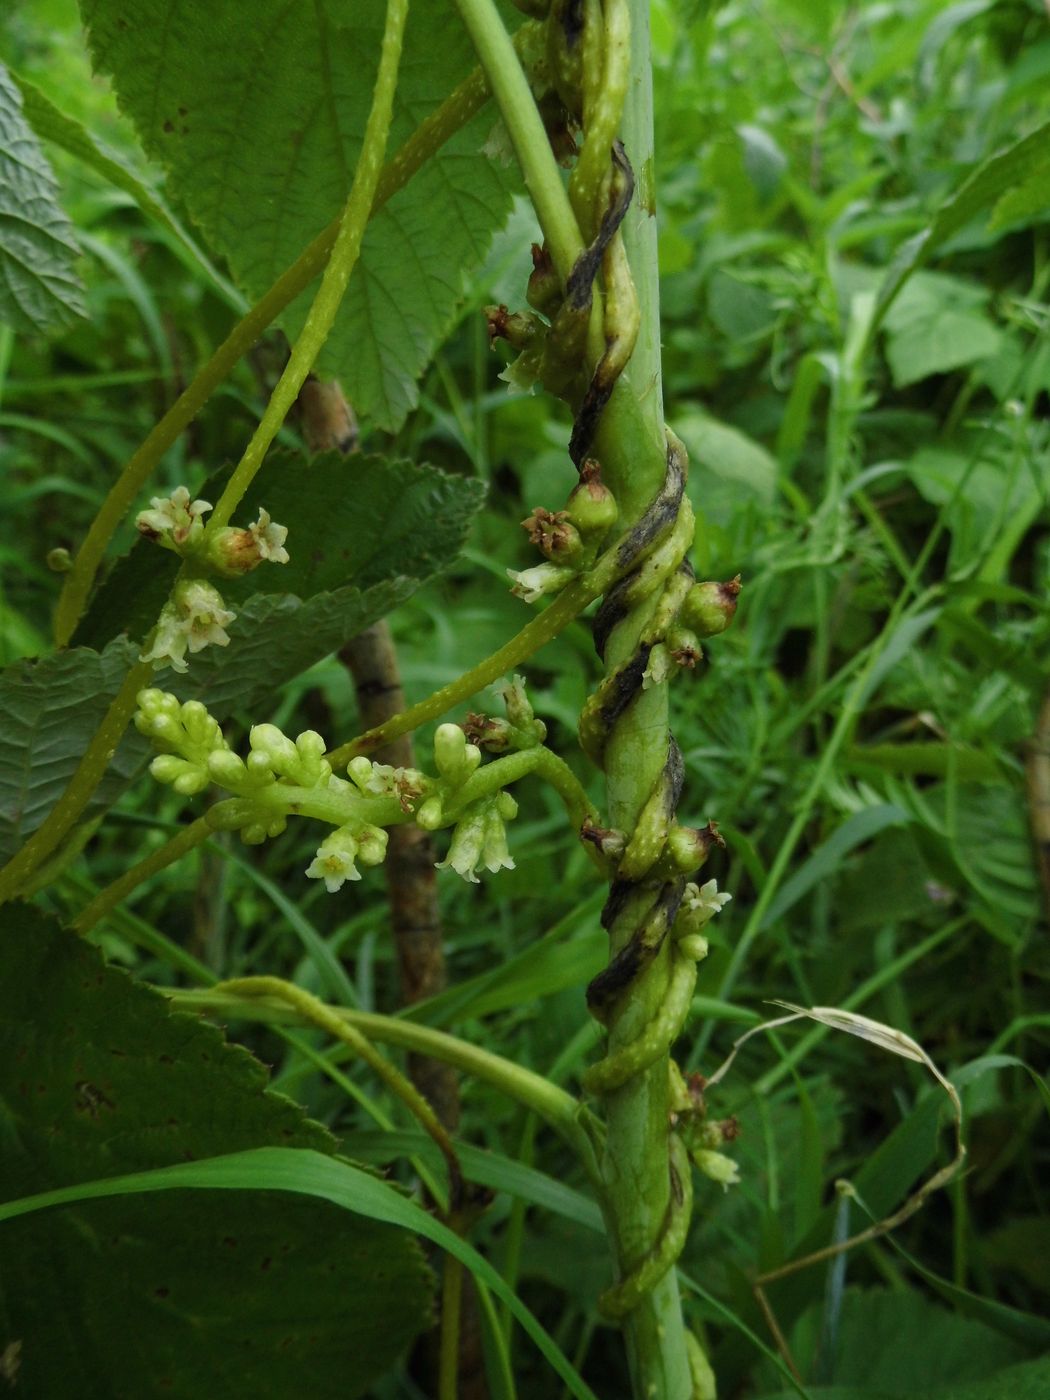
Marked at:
<point>359,771</point>
<point>201,729</point>
<point>280,753</point>
<point>532,584</point>
<point>259,770</point>
<point>227,769</point>
<point>185,777</point>
<point>254,834</point>
<point>520,712</point>
<point>314,768</point>
<point>371,845</point>
<point>506,805</point>
<point>454,758</point>
<point>430,814</point>
<point>693,946</point>
<point>709,607</point>
<point>717,1166</point>
<point>592,506</point>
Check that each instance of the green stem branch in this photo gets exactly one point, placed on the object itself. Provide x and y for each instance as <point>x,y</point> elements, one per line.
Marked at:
<point>316,1013</point>
<point>179,845</point>
<point>560,1110</point>
<point>535,634</point>
<point>337,272</point>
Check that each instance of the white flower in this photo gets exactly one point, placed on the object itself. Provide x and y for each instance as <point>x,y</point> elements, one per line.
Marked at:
<point>495,854</point>
<point>169,642</point>
<point>203,615</point>
<point>717,1166</point>
<point>195,618</point>
<point>174,519</point>
<point>468,842</point>
<point>703,903</point>
<point>269,538</point>
<point>531,584</point>
<point>334,861</point>
<point>480,838</point>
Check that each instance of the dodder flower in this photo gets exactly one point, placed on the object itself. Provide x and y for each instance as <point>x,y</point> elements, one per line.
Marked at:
<point>174,521</point>
<point>195,618</point>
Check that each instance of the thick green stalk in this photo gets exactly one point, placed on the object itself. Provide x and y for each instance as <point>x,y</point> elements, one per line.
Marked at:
<point>636,1160</point>
<point>636,1165</point>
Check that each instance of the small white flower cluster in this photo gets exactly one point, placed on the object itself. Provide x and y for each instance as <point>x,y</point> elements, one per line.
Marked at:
<point>194,618</point>
<point>174,521</point>
<point>335,860</point>
<point>699,906</point>
<point>480,838</point>
<point>196,615</point>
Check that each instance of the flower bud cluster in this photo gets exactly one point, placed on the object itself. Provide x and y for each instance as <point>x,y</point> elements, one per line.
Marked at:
<point>196,615</point>
<point>520,730</point>
<point>699,906</point>
<point>335,860</point>
<point>569,539</point>
<point>193,618</point>
<point>280,776</point>
<point>702,1137</point>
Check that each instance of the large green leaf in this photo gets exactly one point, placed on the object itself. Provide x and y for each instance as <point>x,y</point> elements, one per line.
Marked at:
<point>49,709</point>
<point>257,112</point>
<point>937,324</point>
<point>39,289</point>
<point>51,124</point>
<point>192,1294</point>
<point>904,1343</point>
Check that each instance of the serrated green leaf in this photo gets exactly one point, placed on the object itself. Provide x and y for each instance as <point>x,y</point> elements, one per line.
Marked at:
<point>257,113</point>
<point>192,1294</point>
<point>905,1344</point>
<point>39,289</point>
<point>49,709</point>
<point>1028,1380</point>
<point>52,124</point>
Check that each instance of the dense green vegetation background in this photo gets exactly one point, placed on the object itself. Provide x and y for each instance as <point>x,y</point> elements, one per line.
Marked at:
<point>888,508</point>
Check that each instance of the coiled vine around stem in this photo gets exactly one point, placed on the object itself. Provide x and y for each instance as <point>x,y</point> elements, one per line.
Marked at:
<point>649,626</point>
